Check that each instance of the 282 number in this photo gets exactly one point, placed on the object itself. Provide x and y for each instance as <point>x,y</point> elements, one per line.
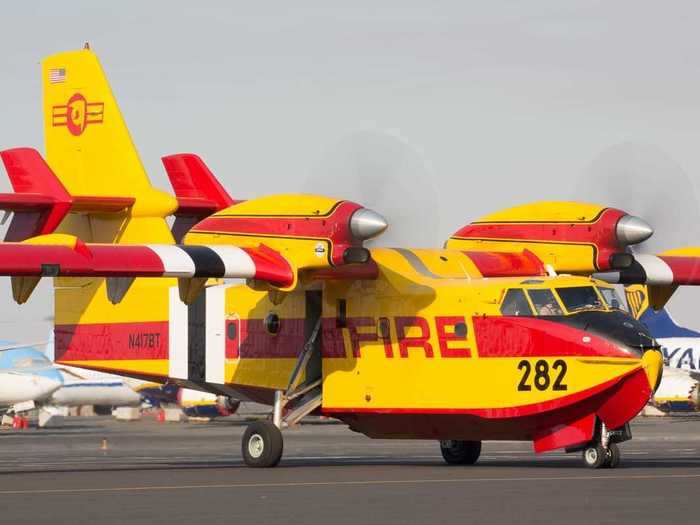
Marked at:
<point>541,378</point>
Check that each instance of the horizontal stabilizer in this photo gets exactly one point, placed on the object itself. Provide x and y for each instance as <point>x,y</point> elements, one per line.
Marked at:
<point>40,201</point>
<point>195,186</point>
<point>198,192</point>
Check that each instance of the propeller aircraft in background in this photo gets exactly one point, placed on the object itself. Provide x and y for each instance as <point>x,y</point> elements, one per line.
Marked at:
<point>501,334</point>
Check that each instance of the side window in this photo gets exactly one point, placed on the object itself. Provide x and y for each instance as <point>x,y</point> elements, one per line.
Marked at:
<point>515,303</point>
<point>545,303</point>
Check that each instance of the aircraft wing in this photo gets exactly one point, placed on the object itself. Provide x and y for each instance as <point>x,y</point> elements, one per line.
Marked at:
<point>666,269</point>
<point>662,273</point>
<point>17,346</point>
<point>152,260</point>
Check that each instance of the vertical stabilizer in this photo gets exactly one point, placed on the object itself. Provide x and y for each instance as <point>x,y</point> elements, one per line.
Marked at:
<point>87,142</point>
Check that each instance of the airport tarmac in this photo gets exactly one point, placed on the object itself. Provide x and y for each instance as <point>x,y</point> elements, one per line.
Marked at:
<point>171,473</point>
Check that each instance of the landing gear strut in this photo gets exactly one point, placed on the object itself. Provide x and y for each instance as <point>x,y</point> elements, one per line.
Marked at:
<point>262,443</point>
<point>460,452</point>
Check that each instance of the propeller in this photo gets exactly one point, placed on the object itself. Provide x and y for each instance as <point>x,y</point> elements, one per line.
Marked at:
<point>645,182</point>
<point>384,173</point>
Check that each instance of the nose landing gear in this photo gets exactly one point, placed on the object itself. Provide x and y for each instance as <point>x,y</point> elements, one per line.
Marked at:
<point>603,451</point>
<point>595,456</point>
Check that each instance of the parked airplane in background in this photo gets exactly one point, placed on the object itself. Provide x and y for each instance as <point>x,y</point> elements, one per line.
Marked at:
<point>88,387</point>
<point>103,390</point>
<point>26,376</point>
<point>680,384</point>
<point>29,378</point>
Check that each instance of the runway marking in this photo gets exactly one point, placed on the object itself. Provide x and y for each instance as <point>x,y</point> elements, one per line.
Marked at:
<point>147,488</point>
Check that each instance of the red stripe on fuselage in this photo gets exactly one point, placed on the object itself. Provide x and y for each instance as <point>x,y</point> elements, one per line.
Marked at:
<point>536,337</point>
<point>111,341</point>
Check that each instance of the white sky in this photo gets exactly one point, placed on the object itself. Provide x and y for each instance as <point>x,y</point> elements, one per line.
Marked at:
<point>460,107</point>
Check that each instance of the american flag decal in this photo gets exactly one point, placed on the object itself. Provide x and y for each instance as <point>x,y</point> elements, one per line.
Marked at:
<point>56,76</point>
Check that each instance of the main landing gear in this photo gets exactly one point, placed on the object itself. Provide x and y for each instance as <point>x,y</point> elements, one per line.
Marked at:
<point>262,443</point>
<point>460,452</point>
<point>603,451</point>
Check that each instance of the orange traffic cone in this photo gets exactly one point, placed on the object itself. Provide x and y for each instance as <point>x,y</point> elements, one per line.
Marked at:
<point>161,416</point>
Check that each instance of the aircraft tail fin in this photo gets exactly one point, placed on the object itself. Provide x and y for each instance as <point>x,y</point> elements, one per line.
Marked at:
<point>88,144</point>
<point>660,323</point>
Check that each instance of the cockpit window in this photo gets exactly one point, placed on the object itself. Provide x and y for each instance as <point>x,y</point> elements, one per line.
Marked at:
<point>515,303</point>
<point>612,299</point>
<point>579,298</point>
<point>545,302</point>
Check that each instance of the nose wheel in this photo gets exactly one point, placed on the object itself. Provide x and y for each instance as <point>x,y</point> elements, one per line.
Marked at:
<point>596,456</point>
<point>460,452</point>
<point>603,451</point>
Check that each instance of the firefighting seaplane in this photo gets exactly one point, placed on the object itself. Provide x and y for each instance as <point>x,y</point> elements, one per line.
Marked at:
<point>501,334</point>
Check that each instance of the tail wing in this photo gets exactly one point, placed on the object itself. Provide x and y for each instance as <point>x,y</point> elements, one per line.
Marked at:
<point>87,142</point>
<point>660,323</point>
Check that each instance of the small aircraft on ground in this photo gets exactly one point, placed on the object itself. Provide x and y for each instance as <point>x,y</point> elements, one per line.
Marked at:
<point>29,379</point>
<point>26,376</point>
<point>501,334</point>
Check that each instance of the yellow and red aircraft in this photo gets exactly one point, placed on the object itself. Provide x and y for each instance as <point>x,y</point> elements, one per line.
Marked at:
<point>502,334</point>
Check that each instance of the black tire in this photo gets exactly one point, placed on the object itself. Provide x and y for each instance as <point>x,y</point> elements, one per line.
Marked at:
<point>460,452</point>
<point>612,459</point>
<point>102,410</point>
<point>262,445</point>
<point>594,456</point>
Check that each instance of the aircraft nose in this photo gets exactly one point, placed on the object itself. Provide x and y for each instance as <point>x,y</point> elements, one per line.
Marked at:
<point>653,364</point>
<point>366,223</point>
<point>632,230</point>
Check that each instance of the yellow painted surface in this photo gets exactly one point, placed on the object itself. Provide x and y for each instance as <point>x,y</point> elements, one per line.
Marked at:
<point>546,211</point>
<point>154,367</point>
<point>292,205</point>
<point>569,257</point>
<point>98,157</point>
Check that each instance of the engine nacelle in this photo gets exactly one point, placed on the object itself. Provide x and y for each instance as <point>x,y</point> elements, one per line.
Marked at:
<point>572,237</point>
<point>311,231</point>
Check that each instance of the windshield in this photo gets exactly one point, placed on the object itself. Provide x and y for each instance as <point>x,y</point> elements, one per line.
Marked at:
<point>515,303</point>
<point>579,298</point>
<point>545,302</point>
<point>612,299</point>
